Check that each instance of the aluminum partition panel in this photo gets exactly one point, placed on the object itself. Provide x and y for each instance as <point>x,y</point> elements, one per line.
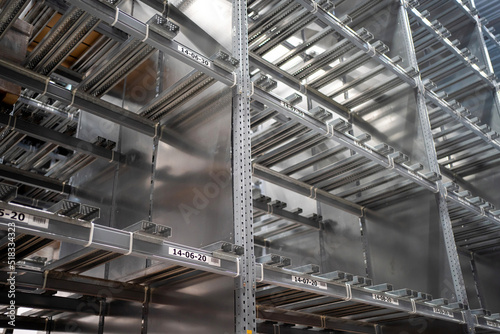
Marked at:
<point>94,184</point>
<point>192,191</point>
<point>396,120</point>
<point>74,323</point>
<point>488,267</point>
<point>204,14</point>
<point>132,193</point>
<point>336,246</point>
<point>132,187</point>
<point>482,103</point>
<point>341,243</point>
<point>406,247</point>
<point>139,87</point>
<point>471,37</point>
<point>486,182</point>
<point>124,317</point>
<point>204,307</point>
<point>392,116</point>
<point>302,249</point>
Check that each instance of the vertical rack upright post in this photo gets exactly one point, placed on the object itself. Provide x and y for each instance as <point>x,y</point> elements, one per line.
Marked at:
<point>242,175</point>
<point>430,149</point>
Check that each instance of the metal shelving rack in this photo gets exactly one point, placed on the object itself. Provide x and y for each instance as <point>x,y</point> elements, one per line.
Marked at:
<point>463,145</point>
<point>353,123</point>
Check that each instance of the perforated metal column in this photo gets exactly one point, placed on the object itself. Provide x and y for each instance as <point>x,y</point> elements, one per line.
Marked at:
<point>242,175</point>
<point>446,226</point>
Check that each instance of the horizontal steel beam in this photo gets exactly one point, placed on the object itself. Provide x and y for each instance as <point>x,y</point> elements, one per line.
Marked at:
<point>97,236</point>
<point>39,83</point>
<point>450,47</point>
<point>61,139</point>
<point>35,180</point>
<point>345,31</point>
<point>281,213</point>
<point>61,281</point>
<point>319,127</point>
<point>453,198</point>
<point>365,295</point>
<point>306,190</point>
<point>34,324</point>
<point>141,31</point>
<point>54,303</point>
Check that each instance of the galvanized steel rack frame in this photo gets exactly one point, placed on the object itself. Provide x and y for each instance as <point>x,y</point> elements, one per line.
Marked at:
<point>241,264</point>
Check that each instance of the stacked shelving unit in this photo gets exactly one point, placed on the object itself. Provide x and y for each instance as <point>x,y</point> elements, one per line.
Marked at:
<point>300,166</point>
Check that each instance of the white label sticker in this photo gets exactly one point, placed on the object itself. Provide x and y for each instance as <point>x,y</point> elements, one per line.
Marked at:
<point>386,299</point>
<point>291,108</point>
<point>363,146</point>
<point>442,312</point>
<point>185,254</point>
<point>492,323</point>
<point>24,218</point>
<point>310,282</point>
<point>194,55</point>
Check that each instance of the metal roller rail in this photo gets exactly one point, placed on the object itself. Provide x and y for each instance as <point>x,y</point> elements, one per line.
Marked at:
<point>339,136</point>
<point>26,159</point>
<point>323,59</point>
<point>272,220</point>
<point>268,13</point>
<point>281,132</point>
<point>9,14</point>
<point>460,150</point>
<point>457,113</point>
<point>26,245</point>
<point>140,31</point>
<point>38,16</point>
<point>304,46</point>
<point>453,111</point>
<point>58,137</point>
<point>476,222</point>
<point>77,99</point>
<point>296,146</point>
<point>356,39</point>
<point>282,321</point>
<point>176,95</point>
<point>70,30</point>
<point>116,66</point>
<point>344,296</point>
<point>440,34</point>
<point>80,100</point>
<point>259,116</point>
<point>283,29</point>
<point>489,13</point>
<point>102,47</point>
<point>460,11</point>
<point>271,231</point>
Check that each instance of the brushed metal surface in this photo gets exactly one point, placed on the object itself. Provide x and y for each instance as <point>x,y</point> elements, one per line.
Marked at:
<point>204,307</point>
<point>406,247</point>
